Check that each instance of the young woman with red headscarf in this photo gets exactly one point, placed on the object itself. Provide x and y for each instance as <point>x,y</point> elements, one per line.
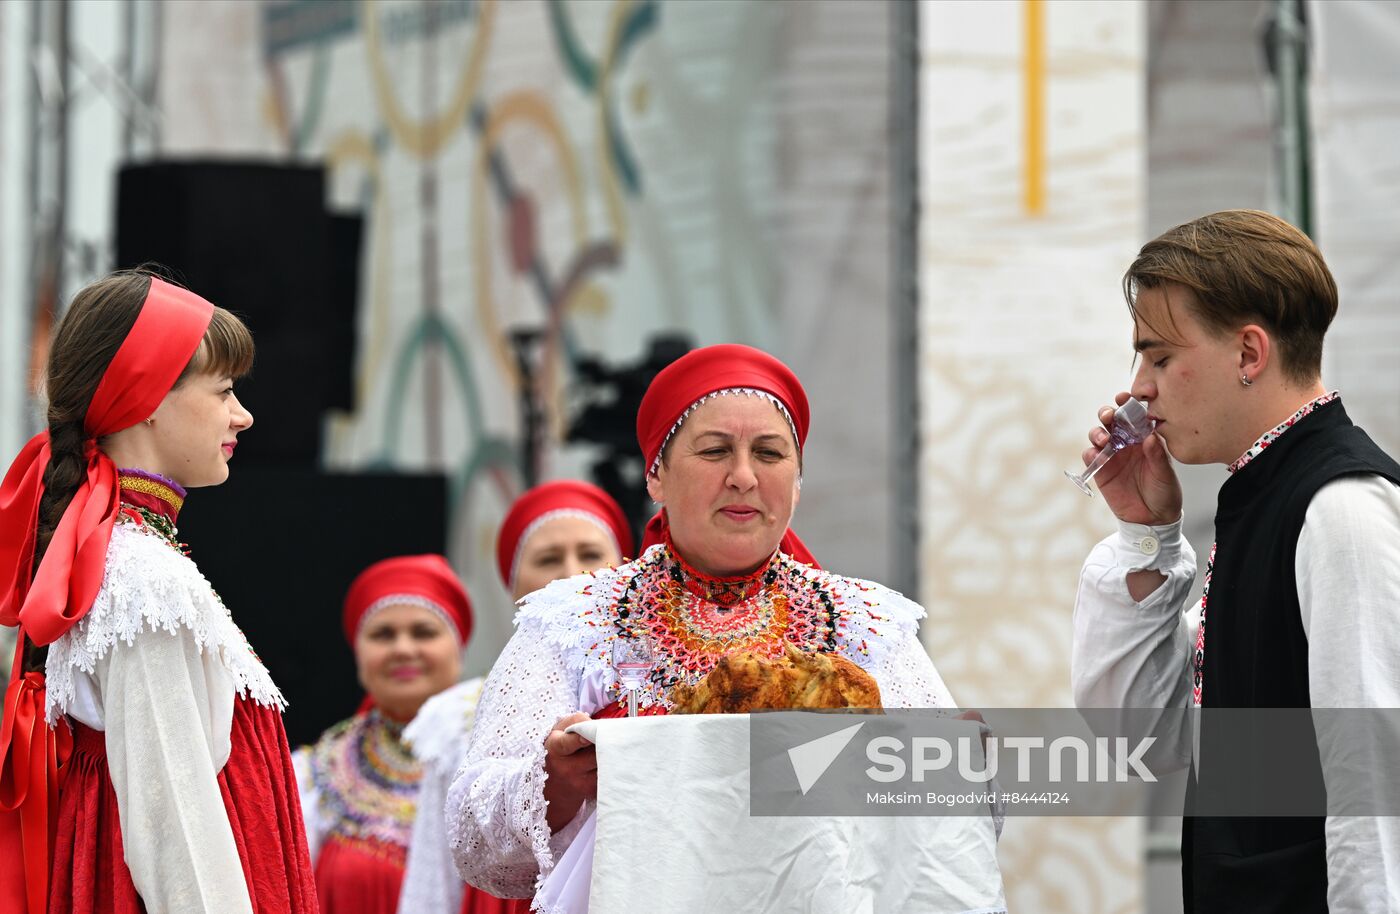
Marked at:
<point>555,530</point>
<point>143,764</point>
<point>722,431</point>
<point>407,620</point>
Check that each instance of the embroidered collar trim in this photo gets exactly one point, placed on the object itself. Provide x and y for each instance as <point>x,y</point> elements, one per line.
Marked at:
<point>1277,431</point>
<point>152,491</point>
<point>723,591</point>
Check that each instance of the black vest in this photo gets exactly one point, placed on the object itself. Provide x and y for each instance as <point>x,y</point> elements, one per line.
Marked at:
<point>1256,656</point>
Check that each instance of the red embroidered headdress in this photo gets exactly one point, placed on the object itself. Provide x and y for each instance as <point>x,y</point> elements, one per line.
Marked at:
<point>551,498</point>
<point>425,578</point>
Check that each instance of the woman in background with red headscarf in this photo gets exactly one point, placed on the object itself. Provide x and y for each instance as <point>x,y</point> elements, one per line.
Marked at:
<point>161,725</point>
<point>407,620</point>
<point>555,530</point>
<point>722,430</point>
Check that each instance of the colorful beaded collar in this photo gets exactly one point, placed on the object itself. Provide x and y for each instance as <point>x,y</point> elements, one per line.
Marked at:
<point>693,620</point>
<point>368,780</point>
<point>152,501</point>
<point>152,491</point>
<point>722,591</point>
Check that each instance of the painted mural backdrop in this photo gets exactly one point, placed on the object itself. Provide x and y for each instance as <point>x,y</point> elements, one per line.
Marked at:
<point>596,172</point>
<point>496,157</point>
<point>1032,193</point>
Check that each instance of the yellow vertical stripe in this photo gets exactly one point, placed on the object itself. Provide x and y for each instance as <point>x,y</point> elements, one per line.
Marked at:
<point>1033,163</point>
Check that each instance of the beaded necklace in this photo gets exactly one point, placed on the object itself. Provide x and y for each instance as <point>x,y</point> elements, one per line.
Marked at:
<point>693,620</point>
<point>368,781</point>
<point>153,501</point>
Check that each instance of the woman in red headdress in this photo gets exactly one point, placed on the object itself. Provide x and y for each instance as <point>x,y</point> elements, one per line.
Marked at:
<point>722,431</point>
<point>143,764</point>
<point>407,620</point>
<point>555,530</point>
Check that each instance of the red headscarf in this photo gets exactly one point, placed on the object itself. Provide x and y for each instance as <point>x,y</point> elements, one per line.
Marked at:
<point>156,350</point>
<point>425,578</point>
<point>563,495</point>
<point>682,385</point>
<point>697,374</point>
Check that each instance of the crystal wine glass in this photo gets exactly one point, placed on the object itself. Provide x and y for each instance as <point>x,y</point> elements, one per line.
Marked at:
<point>1131,426</point>
<point>633,659</point>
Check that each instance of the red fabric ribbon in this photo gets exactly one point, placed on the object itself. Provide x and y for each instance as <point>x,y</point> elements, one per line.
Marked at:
<point>32,764</point>
<point>67,580</point>
<point>791,544</point>
<point>161,342</point>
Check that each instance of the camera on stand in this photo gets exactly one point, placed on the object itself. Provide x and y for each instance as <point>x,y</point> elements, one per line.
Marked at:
<point>607,400</point>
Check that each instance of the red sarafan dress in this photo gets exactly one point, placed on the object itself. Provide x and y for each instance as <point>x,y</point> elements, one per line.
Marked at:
<point>179,795</point>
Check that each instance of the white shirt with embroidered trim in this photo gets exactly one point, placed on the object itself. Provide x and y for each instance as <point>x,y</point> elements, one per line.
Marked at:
<point>495,807</point>
<point>156,665</point>
<point>1130,654</point>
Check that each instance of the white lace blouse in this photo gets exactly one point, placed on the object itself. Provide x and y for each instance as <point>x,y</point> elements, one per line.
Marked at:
<point>559,662</point>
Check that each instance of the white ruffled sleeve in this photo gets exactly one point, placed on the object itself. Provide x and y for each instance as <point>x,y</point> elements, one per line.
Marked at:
<point>908,678</point>
<point>495,807</point>
<point>896,657</point>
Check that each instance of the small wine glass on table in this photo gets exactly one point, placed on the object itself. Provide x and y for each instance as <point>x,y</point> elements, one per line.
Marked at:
<point>634,660</point>
<point>1131,425</point>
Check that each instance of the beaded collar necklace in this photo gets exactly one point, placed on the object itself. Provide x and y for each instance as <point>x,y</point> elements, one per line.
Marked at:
<point>154,501</point>
<point>725,592</point>
<point>369,780</point>
<point>693,620</point>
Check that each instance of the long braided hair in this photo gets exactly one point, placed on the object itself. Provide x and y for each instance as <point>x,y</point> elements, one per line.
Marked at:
<point>84,344</point>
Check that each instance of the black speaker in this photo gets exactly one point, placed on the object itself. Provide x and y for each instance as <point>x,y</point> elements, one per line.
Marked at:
<point>281,547</point>
<point>256,239</point>
<point>347,236</point>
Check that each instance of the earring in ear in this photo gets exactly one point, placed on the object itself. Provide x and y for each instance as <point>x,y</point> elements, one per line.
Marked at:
<point>1244,379</point>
